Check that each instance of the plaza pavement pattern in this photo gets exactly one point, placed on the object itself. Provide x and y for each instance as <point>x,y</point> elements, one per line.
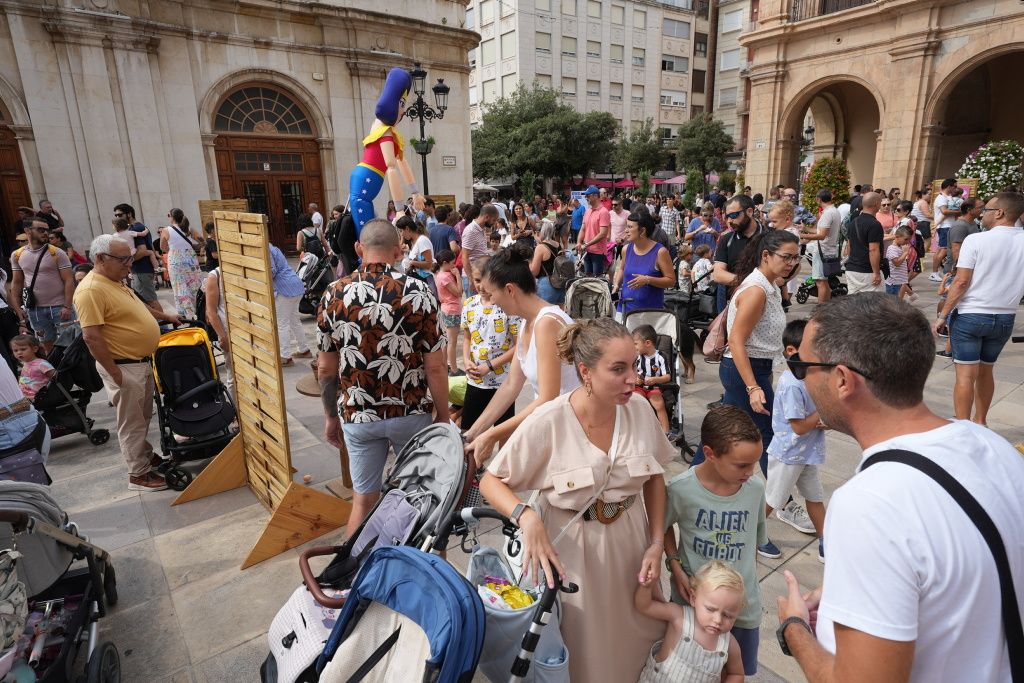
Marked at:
<point>187,613</point>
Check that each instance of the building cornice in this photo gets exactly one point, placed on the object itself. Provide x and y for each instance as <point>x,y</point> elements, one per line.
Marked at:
<point>102,28</point>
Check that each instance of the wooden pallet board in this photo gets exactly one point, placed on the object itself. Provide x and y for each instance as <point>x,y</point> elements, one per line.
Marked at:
<point>260,455</point>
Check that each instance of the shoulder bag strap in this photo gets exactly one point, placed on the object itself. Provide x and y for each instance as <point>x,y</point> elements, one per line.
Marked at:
<point>185,237</point>
<point>981,519</point>
<point>35,273</point>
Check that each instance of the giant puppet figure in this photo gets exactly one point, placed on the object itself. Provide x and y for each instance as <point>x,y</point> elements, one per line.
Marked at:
<point>383,155</point>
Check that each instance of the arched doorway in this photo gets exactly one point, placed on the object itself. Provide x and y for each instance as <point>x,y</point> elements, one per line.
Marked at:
<point>13,187</point>
<point>841,120</point>
<point>979,108</point>
<point>267,152</point>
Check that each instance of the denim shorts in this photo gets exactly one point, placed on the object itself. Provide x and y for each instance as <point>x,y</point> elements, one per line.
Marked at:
<point>892,289</point>
<point>46,322</point>
<point>943,238</point>
<point>368,443</point>
<point>979,337</point>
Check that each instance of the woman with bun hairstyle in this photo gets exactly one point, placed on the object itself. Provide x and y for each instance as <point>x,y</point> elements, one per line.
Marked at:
<point>384,156</point>
<point>508,282</point>
<point>598,449</point>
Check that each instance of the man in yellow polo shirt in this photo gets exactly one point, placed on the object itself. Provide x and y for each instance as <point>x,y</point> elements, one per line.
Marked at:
<point>122,335</point>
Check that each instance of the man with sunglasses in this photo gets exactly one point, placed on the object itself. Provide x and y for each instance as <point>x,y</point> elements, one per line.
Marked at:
<point>739,214</point>
<point>122,334</point>
<point>982,303</point>
<point>911,588</point>
<point>44,270</point>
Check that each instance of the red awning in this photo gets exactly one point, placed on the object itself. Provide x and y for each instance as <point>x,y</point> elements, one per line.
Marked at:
<point>625,183</point>
<point>677,180</point>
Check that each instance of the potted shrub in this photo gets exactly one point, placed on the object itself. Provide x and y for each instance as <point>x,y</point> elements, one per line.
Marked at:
<point>423,146</point>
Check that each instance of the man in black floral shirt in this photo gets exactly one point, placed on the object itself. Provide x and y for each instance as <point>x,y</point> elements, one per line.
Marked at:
<point>381,350</point>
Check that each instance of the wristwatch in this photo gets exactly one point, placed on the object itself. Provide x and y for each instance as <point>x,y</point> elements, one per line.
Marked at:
<point>781,633</point>
<point>517,512</point>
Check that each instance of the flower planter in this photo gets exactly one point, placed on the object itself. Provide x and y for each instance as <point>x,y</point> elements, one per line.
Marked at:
<point>423,147</point>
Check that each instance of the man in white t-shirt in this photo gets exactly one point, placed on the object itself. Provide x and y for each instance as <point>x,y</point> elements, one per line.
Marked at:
<point>944,217</point>
<point>911,589</point>
<point>318,218</point>
<point>825,235</point>
<point>982,302</point>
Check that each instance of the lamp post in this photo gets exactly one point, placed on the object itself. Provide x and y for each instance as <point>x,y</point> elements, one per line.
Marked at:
<point>419,109</point>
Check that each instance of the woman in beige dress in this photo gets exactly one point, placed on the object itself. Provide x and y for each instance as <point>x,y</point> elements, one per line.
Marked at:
<point>599,449</point>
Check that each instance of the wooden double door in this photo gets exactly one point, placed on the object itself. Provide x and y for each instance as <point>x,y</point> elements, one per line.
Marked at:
<point>13,190</point>
<point>278,176</point>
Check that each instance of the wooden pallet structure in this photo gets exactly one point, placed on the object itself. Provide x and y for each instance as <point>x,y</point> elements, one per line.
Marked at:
<point>260,456</point>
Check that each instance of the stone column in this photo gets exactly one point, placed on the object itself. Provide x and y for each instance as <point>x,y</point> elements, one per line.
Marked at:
<point>210,161</point>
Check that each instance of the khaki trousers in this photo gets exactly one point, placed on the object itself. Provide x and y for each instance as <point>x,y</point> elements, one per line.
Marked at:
<point>133,401</point>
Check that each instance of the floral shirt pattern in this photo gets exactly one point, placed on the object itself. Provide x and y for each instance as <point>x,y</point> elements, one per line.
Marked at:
<point>380,323</point>
<point>491,333</point>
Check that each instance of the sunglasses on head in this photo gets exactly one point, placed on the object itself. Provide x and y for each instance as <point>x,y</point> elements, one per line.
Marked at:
<point>734,214</point>
<point>799,367</point>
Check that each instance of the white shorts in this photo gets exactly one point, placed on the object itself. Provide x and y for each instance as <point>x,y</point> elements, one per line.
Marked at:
<point>782,478</point>
<point>861,282</point>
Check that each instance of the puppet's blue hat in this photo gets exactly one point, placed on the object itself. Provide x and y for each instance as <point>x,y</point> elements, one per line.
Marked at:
<point>396,86</point>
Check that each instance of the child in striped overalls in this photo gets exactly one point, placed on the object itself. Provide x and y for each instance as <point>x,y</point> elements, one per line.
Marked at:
<point>697,645</point>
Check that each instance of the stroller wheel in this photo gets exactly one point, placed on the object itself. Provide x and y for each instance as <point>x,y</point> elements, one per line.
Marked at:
<point>177,478</point>
<point>801,296</point>
<point>99,437</point>
<point>104,665</point>
<point>110,585</point>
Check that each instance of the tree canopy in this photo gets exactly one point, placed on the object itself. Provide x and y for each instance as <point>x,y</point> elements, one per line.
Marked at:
<point>640,151</point>
<point>703,144</point>
<point>533,131</point>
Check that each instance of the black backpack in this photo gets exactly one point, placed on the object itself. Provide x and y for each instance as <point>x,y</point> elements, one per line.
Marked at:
<point>562,270</point>
<point>313,245</point>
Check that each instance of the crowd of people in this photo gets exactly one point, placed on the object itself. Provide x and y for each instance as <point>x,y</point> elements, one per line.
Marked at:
<point>475,295</point>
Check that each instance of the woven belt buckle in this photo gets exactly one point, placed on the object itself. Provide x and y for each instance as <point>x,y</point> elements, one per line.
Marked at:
<point>599,508</point>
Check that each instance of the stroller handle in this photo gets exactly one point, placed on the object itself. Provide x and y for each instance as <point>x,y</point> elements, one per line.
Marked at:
<point>470,517</point>
<point>310,580</point>
<point>1017,340</point>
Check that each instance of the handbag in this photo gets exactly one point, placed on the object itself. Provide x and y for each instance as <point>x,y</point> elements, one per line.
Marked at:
<point>830,265</point>
<point>717,341</point>
<point>981,519</point>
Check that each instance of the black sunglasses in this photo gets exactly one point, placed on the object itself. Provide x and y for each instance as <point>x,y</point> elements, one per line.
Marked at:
<point>734,214</point>
<point>799,367</point>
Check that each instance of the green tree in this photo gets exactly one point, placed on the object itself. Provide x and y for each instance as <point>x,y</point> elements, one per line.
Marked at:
<point>703,144</point>
<point>640,150</point>
<point>827,174</point>
<point>533,131</point>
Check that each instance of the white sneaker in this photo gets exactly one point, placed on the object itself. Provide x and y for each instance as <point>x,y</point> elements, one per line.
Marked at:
<point>935,277</point>
<point>795,516</point>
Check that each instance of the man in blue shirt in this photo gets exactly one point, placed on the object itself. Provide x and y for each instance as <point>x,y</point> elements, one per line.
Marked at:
<point>576,224</point>
<point>288,291</point>
<point>143,275</point>
<point>442,235</point>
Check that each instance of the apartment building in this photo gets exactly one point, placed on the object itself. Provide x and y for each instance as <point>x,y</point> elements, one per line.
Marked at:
<point>636,59</point>
<point>730,84</point>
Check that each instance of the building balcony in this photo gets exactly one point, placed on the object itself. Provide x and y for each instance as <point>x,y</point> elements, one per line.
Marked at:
<point>809,9</point>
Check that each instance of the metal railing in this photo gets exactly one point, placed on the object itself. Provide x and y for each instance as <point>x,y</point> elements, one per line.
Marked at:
<point>809,9</point>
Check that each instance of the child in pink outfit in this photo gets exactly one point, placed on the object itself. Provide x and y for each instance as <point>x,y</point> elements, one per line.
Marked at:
<point>449,291</point>
<point>35,371</point>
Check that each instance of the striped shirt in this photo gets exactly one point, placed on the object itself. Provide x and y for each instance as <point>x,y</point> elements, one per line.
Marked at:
<point>897,273</point>
<point>651,366</point>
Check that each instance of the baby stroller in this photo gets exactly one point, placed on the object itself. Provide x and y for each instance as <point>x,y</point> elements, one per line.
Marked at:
<point>668,328</point>
<point>316,635</point>
<point>60,606</point>
<point>588,298</point>
<point>809,287</point>
<point>316,273</point>
<point>65,397</point>
<point>429,479</point>
<point>193,407</point>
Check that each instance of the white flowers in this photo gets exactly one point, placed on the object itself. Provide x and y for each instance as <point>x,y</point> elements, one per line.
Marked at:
<point>996,165</point>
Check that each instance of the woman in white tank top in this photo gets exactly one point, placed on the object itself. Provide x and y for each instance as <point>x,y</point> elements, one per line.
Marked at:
<point>510,285</point>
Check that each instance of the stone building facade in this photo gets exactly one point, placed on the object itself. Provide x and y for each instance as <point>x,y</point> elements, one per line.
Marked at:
<point>161,103</point>
<point>902,89</point>
<point>636,59</point>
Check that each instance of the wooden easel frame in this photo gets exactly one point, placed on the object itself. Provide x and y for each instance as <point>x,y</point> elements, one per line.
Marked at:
<point>260,455</point>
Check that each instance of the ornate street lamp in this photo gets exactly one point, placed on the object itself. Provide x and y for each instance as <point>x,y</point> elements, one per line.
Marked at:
<point>419,109</point>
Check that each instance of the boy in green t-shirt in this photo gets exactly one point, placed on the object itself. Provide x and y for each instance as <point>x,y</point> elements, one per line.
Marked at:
<point>719,507</point>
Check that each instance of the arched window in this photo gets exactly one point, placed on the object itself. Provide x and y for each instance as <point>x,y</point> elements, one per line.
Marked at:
<point>262,110</point>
